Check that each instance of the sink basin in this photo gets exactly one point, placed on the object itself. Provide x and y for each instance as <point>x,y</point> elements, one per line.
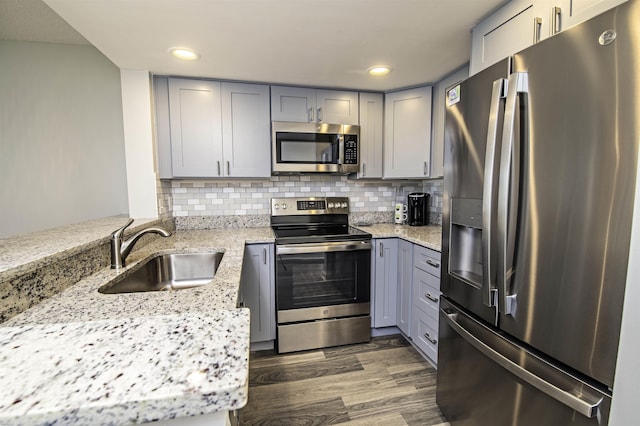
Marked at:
<point>168,272</point>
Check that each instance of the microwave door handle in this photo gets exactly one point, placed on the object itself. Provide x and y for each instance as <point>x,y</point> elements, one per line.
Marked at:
<point>340,149</point>
<point>488,277</point>
<point>508,191</point>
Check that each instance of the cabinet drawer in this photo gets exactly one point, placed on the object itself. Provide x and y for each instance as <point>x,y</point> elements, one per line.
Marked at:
<point>425,337</point>
<point>426,296</point>
<point>426,259</point>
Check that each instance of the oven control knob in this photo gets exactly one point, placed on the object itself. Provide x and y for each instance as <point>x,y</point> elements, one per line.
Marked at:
<point>330,205</point>
<point>276,206</point>
<point>344,205</point>
<point>284,207</point>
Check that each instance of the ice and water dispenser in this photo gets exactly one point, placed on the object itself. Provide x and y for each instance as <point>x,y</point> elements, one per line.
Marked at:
<point>465,240</point>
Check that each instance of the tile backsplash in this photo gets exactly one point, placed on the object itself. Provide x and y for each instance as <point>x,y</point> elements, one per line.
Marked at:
<point>201,198</point>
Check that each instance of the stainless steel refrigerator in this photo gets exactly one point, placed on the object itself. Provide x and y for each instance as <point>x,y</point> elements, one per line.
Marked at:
<point>540,164</point>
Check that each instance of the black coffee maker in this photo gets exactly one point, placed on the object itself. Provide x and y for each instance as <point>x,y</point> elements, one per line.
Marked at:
<point>418,209</point>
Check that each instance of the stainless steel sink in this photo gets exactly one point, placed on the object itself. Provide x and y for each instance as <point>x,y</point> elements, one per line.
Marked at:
<point>168,272</point>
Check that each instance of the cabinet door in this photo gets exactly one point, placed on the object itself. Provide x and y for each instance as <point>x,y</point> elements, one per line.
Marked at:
<point>515,26</point>
<point>407,140</point>
<point>293,104</point>
<point>385,282</point>
<point>425,334</point>
<point>196,128</point>
<point>257,290</point>
<point>439,105</point>
<point>337,107</point>
<point>405,297</point>
<point>246,130</point>
<point>572,12</point>
<point>371,118</point>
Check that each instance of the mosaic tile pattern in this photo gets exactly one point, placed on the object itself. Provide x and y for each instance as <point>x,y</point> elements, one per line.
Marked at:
<point>201,198</point>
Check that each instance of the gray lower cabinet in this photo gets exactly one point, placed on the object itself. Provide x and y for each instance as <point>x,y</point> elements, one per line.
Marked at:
<point>214,130</point>
<point>426,300</point>
<point>405,296</point>
<point>257,291</point>
<point>384,290</point>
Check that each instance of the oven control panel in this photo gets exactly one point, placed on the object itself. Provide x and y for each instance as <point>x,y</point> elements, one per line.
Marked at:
<point>309,206</point>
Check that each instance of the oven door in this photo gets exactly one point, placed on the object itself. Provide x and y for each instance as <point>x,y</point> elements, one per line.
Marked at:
<point>332,274</point>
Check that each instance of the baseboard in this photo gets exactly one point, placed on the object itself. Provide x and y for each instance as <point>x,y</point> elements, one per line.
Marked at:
<point>262,346</point>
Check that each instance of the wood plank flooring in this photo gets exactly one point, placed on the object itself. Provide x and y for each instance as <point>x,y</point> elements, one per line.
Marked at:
<point>383,382</point>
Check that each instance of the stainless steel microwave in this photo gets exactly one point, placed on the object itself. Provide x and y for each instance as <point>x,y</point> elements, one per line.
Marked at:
<point>315,148</point>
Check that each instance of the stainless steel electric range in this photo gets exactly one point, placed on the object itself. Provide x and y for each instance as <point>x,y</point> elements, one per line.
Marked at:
<point>323,269</point>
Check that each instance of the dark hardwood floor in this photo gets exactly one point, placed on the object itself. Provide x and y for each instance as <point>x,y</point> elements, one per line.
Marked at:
<point>384,382</point>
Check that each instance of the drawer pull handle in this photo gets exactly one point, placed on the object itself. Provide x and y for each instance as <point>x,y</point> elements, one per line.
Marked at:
<point>432,263</point>
<point>430,297</point>
<point>426,336</point>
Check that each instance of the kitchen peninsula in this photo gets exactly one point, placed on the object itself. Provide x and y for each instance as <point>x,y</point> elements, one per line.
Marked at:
<point>93,358</point>
<point>130,358</point>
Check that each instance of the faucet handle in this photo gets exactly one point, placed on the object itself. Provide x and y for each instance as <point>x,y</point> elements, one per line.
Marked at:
<point>118,232</point>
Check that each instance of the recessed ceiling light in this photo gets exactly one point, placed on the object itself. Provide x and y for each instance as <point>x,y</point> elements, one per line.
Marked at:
<point>184,53</point>
<point>379,70</point>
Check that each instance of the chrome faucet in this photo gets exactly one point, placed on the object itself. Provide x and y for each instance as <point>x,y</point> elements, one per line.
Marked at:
<point>120,249</point>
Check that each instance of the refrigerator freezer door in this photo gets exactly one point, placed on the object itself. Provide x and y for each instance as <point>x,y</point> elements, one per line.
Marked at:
<point>466,128</point>
<point>485,379</point>
<point>578,134</point>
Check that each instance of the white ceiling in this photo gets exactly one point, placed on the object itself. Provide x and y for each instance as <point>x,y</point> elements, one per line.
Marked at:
<point>324,43</point>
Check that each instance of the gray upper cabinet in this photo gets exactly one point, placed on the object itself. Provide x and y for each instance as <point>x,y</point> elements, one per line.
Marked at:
<point>371,127</point>
<point>515,26</point>
<point>196,128</point>
<point>521,23</point>
<point>305,105</point>
<point>246,130</point>
<point>407,134</point>
<point>216,130</point>
<point>572,12</point>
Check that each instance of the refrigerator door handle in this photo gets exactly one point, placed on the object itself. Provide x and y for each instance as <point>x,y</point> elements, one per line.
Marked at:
<point>489,289</point>
<point>586,408</point>
<point>508,192</point>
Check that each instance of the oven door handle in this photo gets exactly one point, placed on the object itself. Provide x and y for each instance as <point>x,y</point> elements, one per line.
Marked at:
<point>323,247</point>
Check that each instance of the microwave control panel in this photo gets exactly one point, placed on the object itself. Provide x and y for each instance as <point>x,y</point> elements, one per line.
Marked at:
<point>350,149</point>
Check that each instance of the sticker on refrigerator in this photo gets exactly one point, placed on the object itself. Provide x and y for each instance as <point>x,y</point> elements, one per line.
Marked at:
<point>453,96</point>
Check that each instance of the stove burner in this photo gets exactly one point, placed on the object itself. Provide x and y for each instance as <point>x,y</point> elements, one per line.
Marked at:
<point>310,220</point>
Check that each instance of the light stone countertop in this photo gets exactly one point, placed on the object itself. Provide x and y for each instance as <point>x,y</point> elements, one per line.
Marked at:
<point>85,322</point>
<point>427,236</point>
<point>23,252</point>
<point>123,371</point>
<point>111,321</point>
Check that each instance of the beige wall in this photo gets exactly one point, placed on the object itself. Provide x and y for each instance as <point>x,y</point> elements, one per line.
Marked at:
<point>62,157</point>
